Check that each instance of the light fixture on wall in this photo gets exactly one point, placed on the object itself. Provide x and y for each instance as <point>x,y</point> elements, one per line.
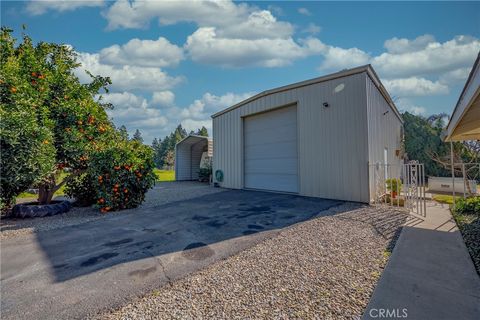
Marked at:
<point>386,112</point>
<point>326,105</point>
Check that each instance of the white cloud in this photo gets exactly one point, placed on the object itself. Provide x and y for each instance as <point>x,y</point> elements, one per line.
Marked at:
<point>398,46</point>
<point>231,19</point>
<point>406,105</point>
<point>163,98</point>
<point>228,34</point>
<point>457,76</point>
<point>414,86</point>
<point>417,67</point>
<point>258,25</point>
<point>138,14</point>
<point>312,28</point>
<point>198,113</point>
<point>39,7</point>
<point>421,58</point>
<point>135,112</point>
<point>203,108</point>
<point>304,11</point>
<point>126,77</point>
<point>336,58</point>
<point>205,46</point>
<point>146,53</point>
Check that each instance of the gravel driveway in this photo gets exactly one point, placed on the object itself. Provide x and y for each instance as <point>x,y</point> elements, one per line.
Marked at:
<point>325,268</point>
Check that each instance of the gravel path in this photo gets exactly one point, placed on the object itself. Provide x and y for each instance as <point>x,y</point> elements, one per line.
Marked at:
<point>162,193</point>
<point>325,268</point>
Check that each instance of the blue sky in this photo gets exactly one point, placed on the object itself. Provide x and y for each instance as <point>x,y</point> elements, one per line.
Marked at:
<point>180,62</point>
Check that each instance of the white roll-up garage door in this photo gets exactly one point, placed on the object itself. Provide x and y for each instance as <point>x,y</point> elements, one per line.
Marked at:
<point>270,150</point>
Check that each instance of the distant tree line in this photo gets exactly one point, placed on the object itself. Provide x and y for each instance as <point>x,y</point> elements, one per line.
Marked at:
<point>423,142</point>
<point>164,149</point>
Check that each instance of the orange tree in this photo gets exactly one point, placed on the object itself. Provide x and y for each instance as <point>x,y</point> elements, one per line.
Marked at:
<point>122,174</point>
<point>68,125</point>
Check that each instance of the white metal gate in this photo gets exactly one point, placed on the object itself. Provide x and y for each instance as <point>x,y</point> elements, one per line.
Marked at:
<point>400,186</point>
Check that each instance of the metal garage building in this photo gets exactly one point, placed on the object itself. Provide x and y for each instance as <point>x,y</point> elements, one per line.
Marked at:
<point>317,138</point>
<point>188,156</point>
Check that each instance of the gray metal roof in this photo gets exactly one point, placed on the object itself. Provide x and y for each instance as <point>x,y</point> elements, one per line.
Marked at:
<point>192,139</point>
<point>344,73</point>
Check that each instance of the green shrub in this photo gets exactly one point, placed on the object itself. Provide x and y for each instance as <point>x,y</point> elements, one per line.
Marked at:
<point>394,185</point>
<point>26,150</point>
<point>467,216</point>
<point>204,174</point>
<point>82,189</point>
<point>123,174</point>
<point>468,205</point>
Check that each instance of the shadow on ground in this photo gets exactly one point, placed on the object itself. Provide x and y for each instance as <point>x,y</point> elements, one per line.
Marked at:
<point>188,226</point>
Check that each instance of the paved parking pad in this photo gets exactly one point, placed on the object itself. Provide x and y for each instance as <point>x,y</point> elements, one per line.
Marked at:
<point>80,270</point>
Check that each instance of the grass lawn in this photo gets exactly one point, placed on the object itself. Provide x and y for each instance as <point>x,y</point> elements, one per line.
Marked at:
<point>165,175</point>
<point>444,198</point>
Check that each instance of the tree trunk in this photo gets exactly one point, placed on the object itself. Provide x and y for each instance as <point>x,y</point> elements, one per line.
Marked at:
<point>46,191</point>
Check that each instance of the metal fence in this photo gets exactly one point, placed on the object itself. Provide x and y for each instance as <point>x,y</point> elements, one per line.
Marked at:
<point>399,185</point>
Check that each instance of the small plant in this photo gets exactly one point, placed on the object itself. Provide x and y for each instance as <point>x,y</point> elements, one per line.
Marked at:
<point>394,186</point>
<point>205,171</point>
<point>204,174</point>
<point>468,205</point>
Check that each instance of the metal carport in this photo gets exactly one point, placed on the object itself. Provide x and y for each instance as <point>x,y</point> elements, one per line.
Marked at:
<point>188,156</point>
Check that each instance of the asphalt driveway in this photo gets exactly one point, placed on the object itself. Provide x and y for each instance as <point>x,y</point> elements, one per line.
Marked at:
<point>79,270</point>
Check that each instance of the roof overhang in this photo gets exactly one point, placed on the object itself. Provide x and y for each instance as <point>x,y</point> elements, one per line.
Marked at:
<point>464,123</point>
<point>344,73</point>
<point>193,139</point>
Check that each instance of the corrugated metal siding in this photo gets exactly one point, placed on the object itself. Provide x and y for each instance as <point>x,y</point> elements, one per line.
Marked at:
<point>332,142</point>
<point>196,155</point>
<point>384,131</point>
<point>183,163</point>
